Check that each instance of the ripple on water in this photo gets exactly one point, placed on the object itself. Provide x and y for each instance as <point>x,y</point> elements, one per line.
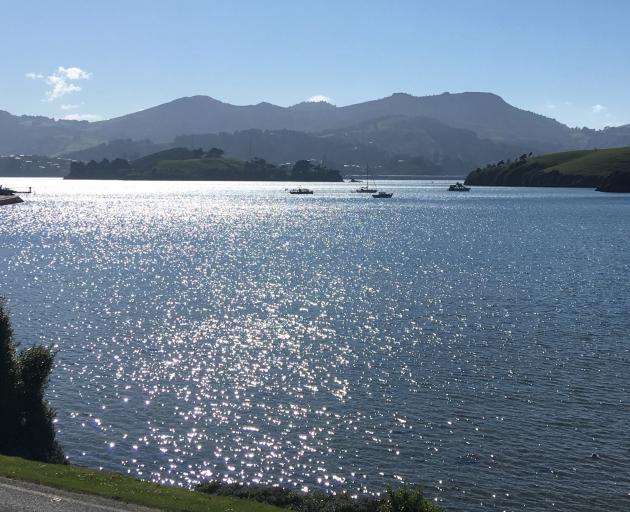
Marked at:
<point>475,344</point>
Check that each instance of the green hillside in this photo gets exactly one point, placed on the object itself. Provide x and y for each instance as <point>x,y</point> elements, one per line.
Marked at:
<point>600,162</point>
<point>586,168</point>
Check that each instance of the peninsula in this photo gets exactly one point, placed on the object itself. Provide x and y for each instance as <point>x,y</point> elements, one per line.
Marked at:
<point>608,170</point>
<point>199,165</point>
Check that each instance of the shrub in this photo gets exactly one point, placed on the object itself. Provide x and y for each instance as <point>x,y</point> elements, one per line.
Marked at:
<point>26,423</point>
<point>407,499</point>
<point>403,499</point>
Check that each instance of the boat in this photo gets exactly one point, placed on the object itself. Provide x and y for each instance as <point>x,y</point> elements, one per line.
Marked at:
<point>458,187</point>
<point>354,180</point>
<point>300,191</point>
<point>366,188</point>
<point>383,195</point>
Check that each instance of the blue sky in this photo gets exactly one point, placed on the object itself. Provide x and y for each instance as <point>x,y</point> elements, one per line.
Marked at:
<point>566,59</point>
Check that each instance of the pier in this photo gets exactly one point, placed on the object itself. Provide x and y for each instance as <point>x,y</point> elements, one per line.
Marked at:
<point>12,199</point>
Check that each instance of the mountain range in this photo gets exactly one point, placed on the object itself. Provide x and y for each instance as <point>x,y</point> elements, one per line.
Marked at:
<point>434,134</point>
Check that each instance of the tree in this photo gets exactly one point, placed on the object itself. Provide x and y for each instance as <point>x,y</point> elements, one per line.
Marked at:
<point>215,153</point>
<point>302,166</point>
<point>26,420</point>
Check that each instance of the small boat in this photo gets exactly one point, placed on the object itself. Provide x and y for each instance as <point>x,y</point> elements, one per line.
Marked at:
<point>300,191</point>
<point>354,180</point>
<point>366,188</point>
<point>458,187</point>
<point>383,195</point>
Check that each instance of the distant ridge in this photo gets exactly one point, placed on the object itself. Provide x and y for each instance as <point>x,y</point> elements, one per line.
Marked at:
<point>449,130</point>
<point>485,114</point>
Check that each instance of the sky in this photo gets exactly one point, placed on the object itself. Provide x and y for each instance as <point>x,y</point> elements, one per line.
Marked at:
<point>566,59</point>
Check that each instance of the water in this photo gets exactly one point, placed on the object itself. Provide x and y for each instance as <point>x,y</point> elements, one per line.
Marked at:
<point>475,343</point>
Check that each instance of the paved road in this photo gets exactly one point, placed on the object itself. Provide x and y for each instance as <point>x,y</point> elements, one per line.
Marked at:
<point>17,496</point>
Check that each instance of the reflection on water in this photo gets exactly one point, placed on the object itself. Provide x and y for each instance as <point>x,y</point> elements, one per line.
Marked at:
<point>476,343</point>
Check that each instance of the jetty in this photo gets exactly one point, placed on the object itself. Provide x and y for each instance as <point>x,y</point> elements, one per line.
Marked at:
<point>11,199</point>
<point>10,196</point>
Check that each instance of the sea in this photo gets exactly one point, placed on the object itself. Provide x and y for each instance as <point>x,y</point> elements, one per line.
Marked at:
<point>477,344</point>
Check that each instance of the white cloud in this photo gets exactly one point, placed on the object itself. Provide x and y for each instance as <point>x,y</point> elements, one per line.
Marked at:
<point>318,98</point>
<point>60,87</point>
<point>62,81</point>
<point>73,73</point>
<point>69,106</point>
<point>598,109</point>
<point>82,117</point>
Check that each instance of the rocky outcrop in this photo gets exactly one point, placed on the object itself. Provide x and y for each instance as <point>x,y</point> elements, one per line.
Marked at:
<point>618,181</point>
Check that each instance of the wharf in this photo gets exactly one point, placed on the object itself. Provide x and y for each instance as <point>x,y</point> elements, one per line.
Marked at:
<point>12,199</point>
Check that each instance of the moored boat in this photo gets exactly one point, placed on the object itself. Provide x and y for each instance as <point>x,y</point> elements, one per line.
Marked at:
<point>383,195</point>
<point>365,189</point>
<point>300,191</point>
<point>458,187</point>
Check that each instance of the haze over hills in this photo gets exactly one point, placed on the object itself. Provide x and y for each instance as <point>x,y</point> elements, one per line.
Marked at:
<point>453,132</point>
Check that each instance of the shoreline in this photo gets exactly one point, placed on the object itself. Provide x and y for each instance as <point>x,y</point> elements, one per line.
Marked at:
<point>121,488</point>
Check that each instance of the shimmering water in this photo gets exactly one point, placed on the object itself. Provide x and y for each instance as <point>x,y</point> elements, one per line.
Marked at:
<point>476,343</point>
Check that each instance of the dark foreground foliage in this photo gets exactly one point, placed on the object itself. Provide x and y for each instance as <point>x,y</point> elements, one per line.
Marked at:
<point>402,499</point>
<point>26,418</point>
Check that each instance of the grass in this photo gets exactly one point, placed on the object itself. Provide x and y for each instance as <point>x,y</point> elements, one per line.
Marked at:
<point>118,487</point>
<point>588,162</point>
<point>601,162</point>
<point>557,159</point>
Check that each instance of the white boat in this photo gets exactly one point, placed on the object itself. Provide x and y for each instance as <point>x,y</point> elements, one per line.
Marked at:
<point>458,187</point>
<point>366,188</point>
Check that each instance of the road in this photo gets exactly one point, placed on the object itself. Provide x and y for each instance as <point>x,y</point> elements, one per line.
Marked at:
<point>17,496</point>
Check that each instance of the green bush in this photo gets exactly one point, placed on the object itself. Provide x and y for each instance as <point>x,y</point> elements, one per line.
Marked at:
<point>26,419</point>
<point>407,499</point>
<point>402,499</point>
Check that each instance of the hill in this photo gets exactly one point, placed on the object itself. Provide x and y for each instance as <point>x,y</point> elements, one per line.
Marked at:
<point>485,114</point>
<point>585,168</point>
<point>453,132</point>
<point>416,144</point>
<point>197,165</point>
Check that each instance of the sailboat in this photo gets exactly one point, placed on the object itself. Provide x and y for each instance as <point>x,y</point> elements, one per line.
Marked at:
<point>366,188</point>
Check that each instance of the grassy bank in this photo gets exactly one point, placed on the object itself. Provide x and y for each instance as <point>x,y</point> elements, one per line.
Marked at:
<point>118,487</point>
<point>210,497</point>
